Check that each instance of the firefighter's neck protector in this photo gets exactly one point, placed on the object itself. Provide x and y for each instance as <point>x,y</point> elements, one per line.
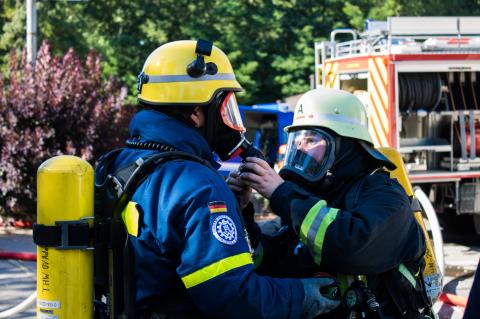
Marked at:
<point>224,127</point>
<point>310,154</point>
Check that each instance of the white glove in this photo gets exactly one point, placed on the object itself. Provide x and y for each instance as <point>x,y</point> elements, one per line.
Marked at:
<point>314,303</point>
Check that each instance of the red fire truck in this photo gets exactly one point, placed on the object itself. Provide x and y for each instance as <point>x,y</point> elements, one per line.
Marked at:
<point>419,78</point>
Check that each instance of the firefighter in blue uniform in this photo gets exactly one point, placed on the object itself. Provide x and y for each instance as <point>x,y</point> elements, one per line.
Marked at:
<point>343,213</point>
<point>190,251</point>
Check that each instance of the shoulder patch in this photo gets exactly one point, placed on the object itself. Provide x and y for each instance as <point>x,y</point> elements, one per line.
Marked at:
<point>224,230</point>
<point>217,207</point>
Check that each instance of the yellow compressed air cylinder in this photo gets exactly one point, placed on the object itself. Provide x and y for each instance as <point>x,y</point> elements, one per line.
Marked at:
<point>64,277</point>
<point>432,273</point>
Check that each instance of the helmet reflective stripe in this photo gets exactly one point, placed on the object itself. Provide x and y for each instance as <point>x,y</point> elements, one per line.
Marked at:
<point>339,118</point>
<point>188,78</point>
<point>164,79</point>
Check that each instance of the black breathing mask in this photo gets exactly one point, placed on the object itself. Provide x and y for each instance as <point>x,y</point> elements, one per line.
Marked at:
<point>310,155</point>
<point>224,130</point>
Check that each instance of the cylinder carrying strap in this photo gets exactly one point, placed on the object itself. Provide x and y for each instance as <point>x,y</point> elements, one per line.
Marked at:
<point>69,234</point>
<point>408,275</point>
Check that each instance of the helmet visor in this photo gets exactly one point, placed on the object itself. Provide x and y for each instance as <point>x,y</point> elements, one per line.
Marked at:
<point>230,113</point>
<point>309,153</point>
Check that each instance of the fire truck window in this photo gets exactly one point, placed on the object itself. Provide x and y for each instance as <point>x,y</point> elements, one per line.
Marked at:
<point>352,85</point>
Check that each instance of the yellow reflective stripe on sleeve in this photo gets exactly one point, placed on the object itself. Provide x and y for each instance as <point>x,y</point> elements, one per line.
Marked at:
<point>327,220</point>
<point>216,269</point>
<point>130,216</point>
<point>309,220</point>
<point>314,226</point>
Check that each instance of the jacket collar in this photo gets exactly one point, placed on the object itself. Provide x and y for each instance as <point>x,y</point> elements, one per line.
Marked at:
<point>151,125</point>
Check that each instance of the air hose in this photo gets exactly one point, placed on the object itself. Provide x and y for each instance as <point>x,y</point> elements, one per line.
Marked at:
<point>419,91</point>
<point>452,299</point>
<point>20,307</point>
<point>31,299</point>
<point>18,255</point>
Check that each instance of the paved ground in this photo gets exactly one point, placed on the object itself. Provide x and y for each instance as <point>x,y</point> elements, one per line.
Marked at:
<point>17,280</point>
<point>462,255</point>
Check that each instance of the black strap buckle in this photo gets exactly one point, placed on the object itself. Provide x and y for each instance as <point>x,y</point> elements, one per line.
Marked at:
<point>65,235</point>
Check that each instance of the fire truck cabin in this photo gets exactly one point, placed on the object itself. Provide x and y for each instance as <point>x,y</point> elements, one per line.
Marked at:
<point>419,78</point>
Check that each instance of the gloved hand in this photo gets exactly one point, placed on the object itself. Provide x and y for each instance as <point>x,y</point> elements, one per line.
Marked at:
<point>314,303</point>
<point>257,174</point>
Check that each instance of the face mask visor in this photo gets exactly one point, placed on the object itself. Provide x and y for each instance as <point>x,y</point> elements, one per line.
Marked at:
<point>230,114</point>
<point>310,154</point>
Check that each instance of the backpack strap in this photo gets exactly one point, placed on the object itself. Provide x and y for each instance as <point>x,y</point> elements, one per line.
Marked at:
<point>132,175</point>
<point>112,193</point>
<point>413,274</point>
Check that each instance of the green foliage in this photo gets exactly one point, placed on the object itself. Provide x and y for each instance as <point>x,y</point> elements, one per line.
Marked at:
<point>62,106</point>
<point>269,42</point>
<point>12,26</point>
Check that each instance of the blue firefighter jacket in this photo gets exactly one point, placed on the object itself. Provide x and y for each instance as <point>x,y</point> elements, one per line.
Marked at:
<point>191,256</point>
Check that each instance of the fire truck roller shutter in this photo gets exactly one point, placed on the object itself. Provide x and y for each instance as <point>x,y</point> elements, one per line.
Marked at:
<point>419,91</point>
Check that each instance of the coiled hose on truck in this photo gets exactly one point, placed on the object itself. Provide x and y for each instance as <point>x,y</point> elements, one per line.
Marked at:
<point>419,91</point>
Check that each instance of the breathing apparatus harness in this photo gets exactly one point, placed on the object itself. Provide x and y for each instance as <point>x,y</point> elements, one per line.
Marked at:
<point>360,300</point>
<point>113,268</point>
<point>357,298</point>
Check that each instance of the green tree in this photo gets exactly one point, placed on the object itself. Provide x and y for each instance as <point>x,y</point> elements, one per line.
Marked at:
<point>269,42</point>
<point>12,25</point>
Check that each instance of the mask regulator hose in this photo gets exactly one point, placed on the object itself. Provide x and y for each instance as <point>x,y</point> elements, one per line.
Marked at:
<point>249,150</point>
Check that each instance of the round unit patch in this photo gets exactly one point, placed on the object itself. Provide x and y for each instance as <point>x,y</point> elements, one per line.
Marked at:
<point>224,230</point>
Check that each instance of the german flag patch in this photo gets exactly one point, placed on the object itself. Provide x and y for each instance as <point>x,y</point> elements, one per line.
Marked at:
<point>217,207</point>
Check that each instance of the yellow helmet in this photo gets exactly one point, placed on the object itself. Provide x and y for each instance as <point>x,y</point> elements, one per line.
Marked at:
<point>185,73</point>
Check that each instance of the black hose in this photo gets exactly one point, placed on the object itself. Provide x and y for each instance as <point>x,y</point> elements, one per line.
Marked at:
<point>419,91</point>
